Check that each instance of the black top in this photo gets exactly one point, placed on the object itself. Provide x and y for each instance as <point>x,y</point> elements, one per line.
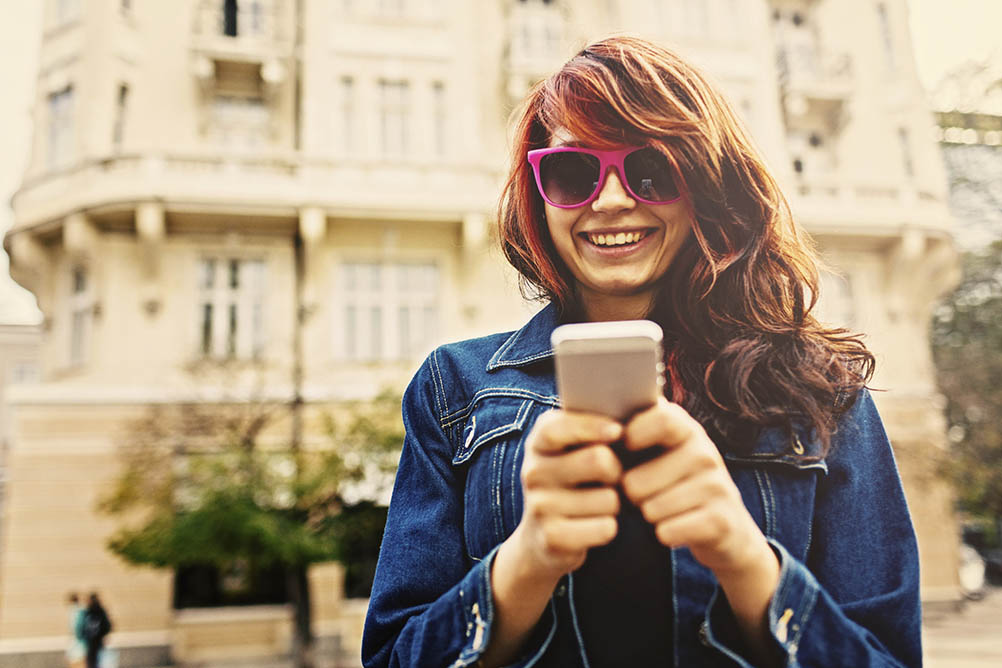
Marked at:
<point>623,596</point>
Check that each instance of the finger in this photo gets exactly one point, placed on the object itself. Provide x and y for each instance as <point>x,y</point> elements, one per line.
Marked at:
<point>669,469</point>
<point>563,534</point>
<point>574,502</point>
<point>698,528</point>
<point>664,423</point>
<point>592,463</point>
<point>688,495</point>
<point>556,430</point>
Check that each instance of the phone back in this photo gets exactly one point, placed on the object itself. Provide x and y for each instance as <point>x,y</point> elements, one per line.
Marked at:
<point>613,370</point>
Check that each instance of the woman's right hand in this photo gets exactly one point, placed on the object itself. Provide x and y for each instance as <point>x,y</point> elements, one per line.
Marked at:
<point>569,480</point>
<point>570,502</point>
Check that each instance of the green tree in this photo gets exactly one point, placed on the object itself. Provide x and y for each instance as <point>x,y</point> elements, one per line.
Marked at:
<point>967,348</point>
<point>218,484</point>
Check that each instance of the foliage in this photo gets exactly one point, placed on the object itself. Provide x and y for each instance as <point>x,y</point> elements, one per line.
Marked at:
<point>220,483</point>
<point>359,530</point>
<point>967,347</point>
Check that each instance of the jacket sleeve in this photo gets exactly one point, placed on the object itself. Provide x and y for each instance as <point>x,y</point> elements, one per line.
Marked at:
<point>856,600</point>
<point>430,604</point>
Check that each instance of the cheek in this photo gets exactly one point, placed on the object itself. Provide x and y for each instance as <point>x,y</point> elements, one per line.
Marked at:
<point>559,225</point>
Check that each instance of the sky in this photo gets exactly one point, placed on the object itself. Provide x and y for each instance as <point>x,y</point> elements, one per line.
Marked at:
<point>946,33</point>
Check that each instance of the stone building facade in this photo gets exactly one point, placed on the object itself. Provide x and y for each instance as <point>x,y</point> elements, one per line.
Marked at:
<point>190,158</point>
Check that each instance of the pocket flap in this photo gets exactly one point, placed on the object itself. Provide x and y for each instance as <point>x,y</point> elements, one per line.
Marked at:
<point>775,446</point>
<point>491,419</point>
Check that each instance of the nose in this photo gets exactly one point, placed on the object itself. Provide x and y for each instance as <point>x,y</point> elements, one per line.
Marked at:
<point>613,196</point>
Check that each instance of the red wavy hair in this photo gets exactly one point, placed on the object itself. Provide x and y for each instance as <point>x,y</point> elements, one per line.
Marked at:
<point>742,348</point>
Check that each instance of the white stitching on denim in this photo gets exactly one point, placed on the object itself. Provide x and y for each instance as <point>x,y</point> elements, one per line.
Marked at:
<point>674,606</point>
<point>514,480</point>
<point>491,392</point>
<point>772,502</point>
<point>520,361</point>
<point>441,383</point>
<point>464,453</point>
<point>496,510</point>
<point>433,359</point>
<point>574,619</point>
<point>772,459</point>
<point>712,640</point>
<point>504,347</point>
<point>765,504</point>
<point>549,638</point>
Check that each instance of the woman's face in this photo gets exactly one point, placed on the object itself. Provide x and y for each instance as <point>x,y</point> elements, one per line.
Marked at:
<point>616,247</point>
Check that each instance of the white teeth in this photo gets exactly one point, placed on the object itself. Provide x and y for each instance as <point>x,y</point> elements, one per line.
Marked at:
<point>618,239</point>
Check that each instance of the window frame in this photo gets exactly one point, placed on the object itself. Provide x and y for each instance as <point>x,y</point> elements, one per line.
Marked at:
<point>390,292</point>
<point>221,307</point>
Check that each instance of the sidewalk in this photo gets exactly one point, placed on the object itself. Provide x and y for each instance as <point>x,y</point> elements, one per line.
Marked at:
<point>970,638</point>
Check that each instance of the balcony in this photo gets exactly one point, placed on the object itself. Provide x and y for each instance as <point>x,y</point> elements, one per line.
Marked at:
<point>871,212</point>
<point>270,183</point>
<point>250,40</point>
<point>535,46</point>
<point>814,81</point>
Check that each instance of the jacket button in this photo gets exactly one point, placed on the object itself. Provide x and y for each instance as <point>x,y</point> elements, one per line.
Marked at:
<point>704,635</point>
<point>562,590</point>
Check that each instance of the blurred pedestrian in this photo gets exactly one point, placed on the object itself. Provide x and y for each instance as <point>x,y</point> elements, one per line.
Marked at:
<point>96,625</point>
<point>77,648</point>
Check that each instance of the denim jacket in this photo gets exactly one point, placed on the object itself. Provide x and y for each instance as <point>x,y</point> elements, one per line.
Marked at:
<point>848,592</point>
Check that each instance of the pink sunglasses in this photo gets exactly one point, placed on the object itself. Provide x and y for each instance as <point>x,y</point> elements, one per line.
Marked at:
<point>569,176</point>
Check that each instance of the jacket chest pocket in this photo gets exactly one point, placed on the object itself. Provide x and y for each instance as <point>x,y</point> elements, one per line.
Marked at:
<point>491,450</point>
<point>779,493</point>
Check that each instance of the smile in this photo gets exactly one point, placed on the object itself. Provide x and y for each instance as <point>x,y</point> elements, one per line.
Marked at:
<point>613,239</point>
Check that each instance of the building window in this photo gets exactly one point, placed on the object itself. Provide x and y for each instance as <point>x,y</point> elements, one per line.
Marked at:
<point>536,34</point>
<point>389,311</point>
<point>696,17</point>
<point>24,372</point>
<point>906,152</point>
<point>348,129</point>
<point>239,122</point>
<point>248,17</point>
<point>440,110</point>
<point>230,18</point>
<point>230,314</point>
<point>886,34</point>
<point>60,127</point>
<point>391,8</point>
<point>81,315</point>
<point>63,12</point>
<point>118,131</point>
<point>394,117</point>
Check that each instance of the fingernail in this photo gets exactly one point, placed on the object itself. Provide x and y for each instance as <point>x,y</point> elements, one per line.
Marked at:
<point>612,431</point>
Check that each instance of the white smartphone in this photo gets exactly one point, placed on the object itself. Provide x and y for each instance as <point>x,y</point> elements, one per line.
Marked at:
<point>611,368</point>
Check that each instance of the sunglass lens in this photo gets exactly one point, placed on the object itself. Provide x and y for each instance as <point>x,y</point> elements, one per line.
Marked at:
<point>568,177</point>
<point>649,175</point>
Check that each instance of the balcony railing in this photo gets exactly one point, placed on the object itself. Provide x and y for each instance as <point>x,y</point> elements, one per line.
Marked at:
<point>247,21</point>
<point>815,73</point>
<point>269,180</point>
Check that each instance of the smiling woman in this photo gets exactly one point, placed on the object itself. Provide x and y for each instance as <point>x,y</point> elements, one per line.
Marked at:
<point>765,523</point>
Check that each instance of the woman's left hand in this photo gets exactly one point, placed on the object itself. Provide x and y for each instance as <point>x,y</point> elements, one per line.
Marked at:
<point>690,498</point>
<point>687,494</point>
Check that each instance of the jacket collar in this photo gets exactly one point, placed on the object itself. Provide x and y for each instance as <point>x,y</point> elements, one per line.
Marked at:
<point>529,344</point>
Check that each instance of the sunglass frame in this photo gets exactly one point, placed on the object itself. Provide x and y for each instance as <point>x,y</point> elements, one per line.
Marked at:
<point>606,159</point>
